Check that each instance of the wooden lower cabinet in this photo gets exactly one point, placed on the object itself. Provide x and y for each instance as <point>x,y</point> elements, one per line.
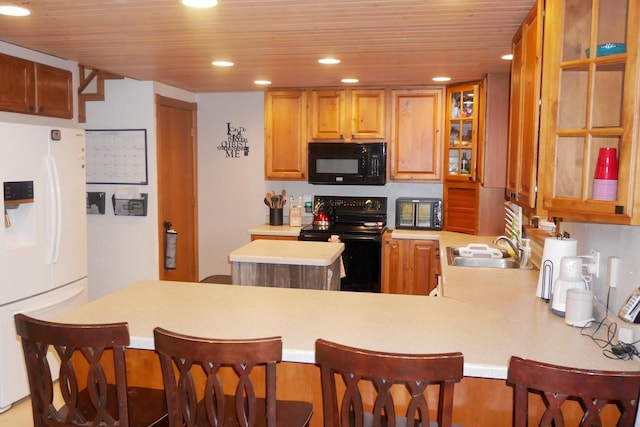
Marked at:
<point>409,266</point>
<point>478,402</point>
<point>271,237</point>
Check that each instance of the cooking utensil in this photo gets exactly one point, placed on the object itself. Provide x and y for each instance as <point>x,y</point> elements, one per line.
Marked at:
<point>268,200</point>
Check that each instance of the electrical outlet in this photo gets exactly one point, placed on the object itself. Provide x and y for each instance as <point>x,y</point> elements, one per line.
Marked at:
<point>614,271</point>
<point>594,263</point>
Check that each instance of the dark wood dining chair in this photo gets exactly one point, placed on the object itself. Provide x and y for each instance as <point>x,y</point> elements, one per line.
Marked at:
<point>557,384</point>
<point>352,367</point>
<point>184,358</point>
<point>99,398</point>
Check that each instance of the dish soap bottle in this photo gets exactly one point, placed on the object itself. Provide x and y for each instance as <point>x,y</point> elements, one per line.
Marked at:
<point>464,164</point>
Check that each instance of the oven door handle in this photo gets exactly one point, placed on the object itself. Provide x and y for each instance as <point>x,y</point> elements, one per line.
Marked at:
<point>359,238</point>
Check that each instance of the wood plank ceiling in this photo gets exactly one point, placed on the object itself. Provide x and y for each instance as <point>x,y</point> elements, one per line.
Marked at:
<point>380,42</point>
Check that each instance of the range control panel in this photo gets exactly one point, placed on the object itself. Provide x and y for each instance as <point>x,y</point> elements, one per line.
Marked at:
<point>354,204</point>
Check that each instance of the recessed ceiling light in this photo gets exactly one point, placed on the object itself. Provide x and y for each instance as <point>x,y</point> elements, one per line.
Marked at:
<point>200,4</point>
<point>349,80</point>
<point>14,11</point>
<point>441,79</point>
<point>262,82</point>
<point>508,57</point>
<point>329,61</point>
<point>223,63</point>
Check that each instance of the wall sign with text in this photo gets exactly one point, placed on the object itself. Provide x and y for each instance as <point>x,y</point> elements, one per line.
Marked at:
<point>236,143</point>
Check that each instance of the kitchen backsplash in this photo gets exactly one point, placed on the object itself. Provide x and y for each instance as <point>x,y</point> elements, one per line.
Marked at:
<point>620,241</point>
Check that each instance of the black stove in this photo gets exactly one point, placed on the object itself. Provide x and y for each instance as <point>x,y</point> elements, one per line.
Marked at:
<point>359,223</point>
<point>364,216</point>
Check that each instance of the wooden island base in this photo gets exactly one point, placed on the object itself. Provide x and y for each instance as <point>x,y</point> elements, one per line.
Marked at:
<point>478,402</point>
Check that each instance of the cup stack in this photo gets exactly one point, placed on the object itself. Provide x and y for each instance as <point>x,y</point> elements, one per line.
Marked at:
<point>605,183</point>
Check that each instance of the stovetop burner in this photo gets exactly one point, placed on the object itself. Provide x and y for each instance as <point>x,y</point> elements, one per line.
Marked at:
<point>352,215</point>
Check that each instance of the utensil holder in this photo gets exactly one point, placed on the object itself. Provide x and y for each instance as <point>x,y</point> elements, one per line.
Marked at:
<point>275,216</point>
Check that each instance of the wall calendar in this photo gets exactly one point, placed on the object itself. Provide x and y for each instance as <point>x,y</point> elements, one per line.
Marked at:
<point>117,156</point>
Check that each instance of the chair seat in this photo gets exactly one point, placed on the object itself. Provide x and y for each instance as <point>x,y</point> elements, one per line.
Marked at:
<point>289,413</point>
<point>147,406</point>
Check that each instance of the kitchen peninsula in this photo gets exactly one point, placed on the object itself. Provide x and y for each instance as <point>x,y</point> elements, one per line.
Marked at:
<point>287,264</point>
<point>486,314</point>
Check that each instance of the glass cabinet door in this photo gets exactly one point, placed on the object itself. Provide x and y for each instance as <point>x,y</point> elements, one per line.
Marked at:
<point>462,128</point>
<point>588,136</point>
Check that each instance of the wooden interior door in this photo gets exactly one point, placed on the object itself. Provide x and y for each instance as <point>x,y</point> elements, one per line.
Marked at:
<point>177,185</point>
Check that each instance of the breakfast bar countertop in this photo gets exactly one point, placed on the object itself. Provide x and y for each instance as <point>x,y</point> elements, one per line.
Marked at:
<point>486,314</point>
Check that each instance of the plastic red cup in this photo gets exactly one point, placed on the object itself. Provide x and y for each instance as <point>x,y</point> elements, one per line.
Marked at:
<point>607,166</point>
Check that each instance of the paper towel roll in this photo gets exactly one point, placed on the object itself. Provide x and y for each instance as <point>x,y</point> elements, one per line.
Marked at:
<point>554,250</point>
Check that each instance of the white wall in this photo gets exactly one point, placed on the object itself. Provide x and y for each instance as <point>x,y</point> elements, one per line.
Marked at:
<point>124,249</point>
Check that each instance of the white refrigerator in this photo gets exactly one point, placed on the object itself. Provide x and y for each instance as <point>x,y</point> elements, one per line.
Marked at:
<point>43,237</point>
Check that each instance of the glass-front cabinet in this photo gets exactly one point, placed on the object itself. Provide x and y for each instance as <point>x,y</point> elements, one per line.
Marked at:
<point>462,132</point>
<point>589,136</point>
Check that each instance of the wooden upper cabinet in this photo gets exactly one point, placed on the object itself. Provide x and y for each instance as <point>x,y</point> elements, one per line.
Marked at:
<point>347,114</point>
<point>415,146</point>
<point>54,91</point>
<point>32,88</point>
<point>286,134</point>
<point>367,114</point>
<point>522,167</point>
<point>462,138</point>
<point>590,102</point>
<point>17,85</point>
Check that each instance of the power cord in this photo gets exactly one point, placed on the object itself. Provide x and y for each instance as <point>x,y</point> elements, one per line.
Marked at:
<point>610,348</point>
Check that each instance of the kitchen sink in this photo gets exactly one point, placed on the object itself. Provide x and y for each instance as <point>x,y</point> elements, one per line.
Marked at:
<point>463,258</point>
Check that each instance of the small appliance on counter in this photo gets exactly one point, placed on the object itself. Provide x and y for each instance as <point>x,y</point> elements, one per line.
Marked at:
<point>418,213</point>
<point>555,248</point>
<point>570,278</point>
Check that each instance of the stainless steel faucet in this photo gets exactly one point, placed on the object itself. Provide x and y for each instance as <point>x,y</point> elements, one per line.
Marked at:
<point>515,248</point>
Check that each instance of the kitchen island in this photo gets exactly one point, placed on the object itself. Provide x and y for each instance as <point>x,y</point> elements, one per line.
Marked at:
<point>486,314</point>
<point>287,264</point>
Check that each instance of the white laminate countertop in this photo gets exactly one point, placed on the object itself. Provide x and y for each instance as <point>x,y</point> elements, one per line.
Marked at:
<point>292,252</point>
<point>487,314</point>
<point>274,230</point>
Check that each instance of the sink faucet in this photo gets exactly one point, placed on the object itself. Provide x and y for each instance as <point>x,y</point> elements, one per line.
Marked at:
<point>516,251</point>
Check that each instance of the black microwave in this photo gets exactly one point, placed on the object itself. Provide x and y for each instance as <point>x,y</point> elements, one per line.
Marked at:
<point>347,163</point>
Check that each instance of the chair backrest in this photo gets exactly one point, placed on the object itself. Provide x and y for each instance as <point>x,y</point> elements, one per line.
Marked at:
<point>413,371</point>
<point>180,354</point>
<point>556,384</point>
<point>105,406</point>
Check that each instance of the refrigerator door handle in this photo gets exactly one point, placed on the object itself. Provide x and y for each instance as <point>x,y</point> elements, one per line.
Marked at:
<point>60,301</point>
<point>55,211</point>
